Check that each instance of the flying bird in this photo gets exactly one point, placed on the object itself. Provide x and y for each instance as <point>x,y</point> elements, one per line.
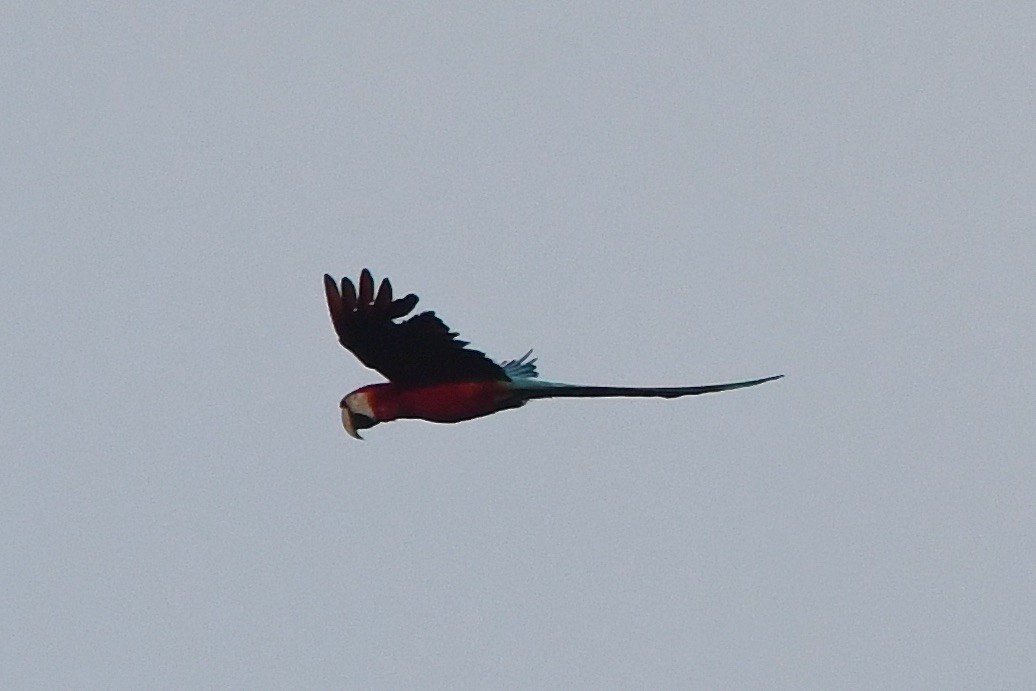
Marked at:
<point>434,376</point>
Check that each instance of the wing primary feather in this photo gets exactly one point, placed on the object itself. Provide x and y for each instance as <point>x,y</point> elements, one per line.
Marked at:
<point>402,306</point>
<point>366,291</point>
<point>384,298</point>
<point>334,300</point>
<point>330,287</point>
<point>348,295</point>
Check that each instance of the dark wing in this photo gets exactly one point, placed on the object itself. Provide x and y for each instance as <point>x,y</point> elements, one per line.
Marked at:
<point>418,351</point>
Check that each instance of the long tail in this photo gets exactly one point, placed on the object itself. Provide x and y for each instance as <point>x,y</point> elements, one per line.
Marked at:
<point>534,388</point>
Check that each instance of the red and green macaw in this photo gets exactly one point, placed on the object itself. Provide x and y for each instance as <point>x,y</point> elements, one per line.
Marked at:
<point>432,375</point>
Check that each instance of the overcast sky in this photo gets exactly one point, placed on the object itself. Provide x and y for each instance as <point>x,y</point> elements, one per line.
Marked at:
<point>645,193</point>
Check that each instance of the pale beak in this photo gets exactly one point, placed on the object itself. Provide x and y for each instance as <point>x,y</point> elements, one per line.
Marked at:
<point>347,422</point>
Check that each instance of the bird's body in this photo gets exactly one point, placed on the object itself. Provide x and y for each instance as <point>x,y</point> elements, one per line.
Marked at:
<point>448,402</point>
<point>433,376</point>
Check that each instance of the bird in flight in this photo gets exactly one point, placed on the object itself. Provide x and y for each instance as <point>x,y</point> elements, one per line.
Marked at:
<point>434,376</point>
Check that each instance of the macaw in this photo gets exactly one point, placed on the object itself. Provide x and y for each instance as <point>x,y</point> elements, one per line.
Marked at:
<point>434,376</point>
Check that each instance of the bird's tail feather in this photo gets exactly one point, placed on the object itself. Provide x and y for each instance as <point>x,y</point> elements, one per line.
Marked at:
<point>534,388</point>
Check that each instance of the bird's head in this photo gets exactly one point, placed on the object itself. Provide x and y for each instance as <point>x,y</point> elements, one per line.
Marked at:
<point>357,412</point>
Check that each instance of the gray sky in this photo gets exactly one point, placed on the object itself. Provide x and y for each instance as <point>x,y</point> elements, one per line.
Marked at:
<point>647,193</point>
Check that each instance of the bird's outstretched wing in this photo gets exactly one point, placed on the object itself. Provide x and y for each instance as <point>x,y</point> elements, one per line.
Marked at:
<point>416,352</point>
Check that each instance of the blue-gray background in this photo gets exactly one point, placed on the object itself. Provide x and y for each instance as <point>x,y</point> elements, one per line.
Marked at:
<point>647,193</point>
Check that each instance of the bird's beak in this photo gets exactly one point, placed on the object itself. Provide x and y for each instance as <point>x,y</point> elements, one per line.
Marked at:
<point>347,422</point>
